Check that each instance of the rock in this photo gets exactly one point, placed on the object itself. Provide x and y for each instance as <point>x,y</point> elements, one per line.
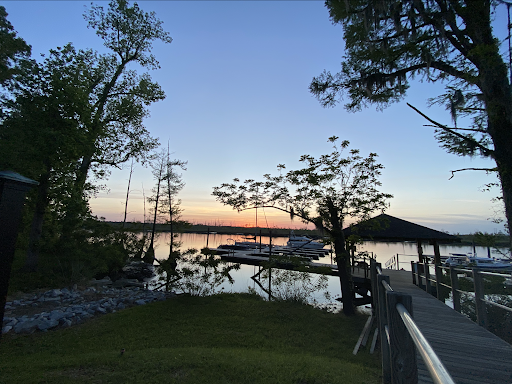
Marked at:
<point>54,293</point>
<point>66,323</point>
<point>46,324</point>
<point>139,270</point>
<point>121,283</point>
<point>28,326</point>
<point>76,306</point>
<point>102,282</point>
<point>57,315</point>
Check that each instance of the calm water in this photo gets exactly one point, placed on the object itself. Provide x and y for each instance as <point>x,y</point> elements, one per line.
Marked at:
<point>407,252</point>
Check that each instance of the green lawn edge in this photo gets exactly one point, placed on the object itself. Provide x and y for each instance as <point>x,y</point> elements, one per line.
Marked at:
<point>225,338</point>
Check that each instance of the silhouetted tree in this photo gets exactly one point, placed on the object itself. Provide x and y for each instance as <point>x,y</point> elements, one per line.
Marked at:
<point>327,192</point>
<point>389,42</point>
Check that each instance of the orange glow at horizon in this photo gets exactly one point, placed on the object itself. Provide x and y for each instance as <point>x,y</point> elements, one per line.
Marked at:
<point>198,212</point>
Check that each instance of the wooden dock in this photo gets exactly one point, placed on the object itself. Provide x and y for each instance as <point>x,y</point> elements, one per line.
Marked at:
<point>469,352</point>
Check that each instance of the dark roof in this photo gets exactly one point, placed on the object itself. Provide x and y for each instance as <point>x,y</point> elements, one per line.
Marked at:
<point>388,228</point>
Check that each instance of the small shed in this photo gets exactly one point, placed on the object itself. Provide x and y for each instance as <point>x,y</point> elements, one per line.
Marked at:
<point>389,228</point>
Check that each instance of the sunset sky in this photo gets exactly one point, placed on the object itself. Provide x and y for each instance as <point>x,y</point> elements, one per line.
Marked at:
<point>236,78</point>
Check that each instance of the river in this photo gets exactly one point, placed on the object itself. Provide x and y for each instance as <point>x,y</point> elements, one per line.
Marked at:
<point>383,251</point>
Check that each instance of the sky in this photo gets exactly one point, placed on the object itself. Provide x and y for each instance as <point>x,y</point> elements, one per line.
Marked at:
<point>236,78</point>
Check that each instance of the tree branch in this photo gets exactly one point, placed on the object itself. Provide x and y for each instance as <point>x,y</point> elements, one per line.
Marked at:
<point>473,169</point>
<point>486,151</point>
<point>280,209</point>
<point>439,65</point>
<point>461,129</point>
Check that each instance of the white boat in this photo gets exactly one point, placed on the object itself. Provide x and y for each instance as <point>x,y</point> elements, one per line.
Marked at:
<point>484,263</point>
<point>303,242</point>
<point>488,264</point>
<point>241,245</point>
<point>456,260</point>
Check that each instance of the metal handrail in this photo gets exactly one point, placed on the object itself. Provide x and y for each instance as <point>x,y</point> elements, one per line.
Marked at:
<point>437,370</point>
<point>497,305</point>
<point>386,286</point>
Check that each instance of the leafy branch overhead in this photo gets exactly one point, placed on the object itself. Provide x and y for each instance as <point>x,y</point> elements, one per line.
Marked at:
<point>390,43</point>
<point>348,183</point>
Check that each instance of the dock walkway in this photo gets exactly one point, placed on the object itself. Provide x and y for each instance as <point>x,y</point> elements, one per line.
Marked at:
<point>469,352</point>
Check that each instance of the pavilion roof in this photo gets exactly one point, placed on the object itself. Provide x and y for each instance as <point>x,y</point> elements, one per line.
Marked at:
<point>388,228</point>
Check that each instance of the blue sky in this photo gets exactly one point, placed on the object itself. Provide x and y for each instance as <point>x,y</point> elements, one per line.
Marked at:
<point>236,78</point>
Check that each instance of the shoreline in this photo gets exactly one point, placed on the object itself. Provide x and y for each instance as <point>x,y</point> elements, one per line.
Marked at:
<point>466,239</point>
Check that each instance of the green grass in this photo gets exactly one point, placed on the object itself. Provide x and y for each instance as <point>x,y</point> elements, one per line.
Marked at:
<point>227,338</point>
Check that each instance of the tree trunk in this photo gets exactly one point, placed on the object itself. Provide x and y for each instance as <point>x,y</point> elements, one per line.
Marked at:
<point>494,83</point>
<point>150,253</point>
<point>499,107</point>
<point>127,195</point>
<point>36,227</point>
<point>342,258</point>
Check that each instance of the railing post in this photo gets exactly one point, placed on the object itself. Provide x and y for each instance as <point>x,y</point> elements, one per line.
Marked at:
<point>426,268</point>
<point>454,281</point>
<point>403,352</point>
<point>418,265</point>
<point>439,277</point>
<point>373,279</point>
<point>481,311</point>
<point>383,322</point>
<point>414,271</point>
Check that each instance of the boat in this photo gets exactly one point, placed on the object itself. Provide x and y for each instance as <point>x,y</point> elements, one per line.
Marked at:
<point>303,242</point>
<point>241,245</point>
<point>488,264</point>
<point>456,260</point>
<point>483,263</point>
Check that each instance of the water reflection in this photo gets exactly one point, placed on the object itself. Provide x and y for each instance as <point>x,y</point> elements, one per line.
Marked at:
<point>406,252</point>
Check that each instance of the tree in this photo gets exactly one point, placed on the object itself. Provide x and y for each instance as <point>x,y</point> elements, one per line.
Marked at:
<point>13,49</point>
<point>173,184</point>
<point>387,43</point>
<point>41,132</point>
<point>328,192</point>
<point>79,113</point>
<point>168,184</point>
<point>119,97</point>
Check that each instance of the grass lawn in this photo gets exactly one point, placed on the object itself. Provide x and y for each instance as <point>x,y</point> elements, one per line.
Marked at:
<point>227,338</point>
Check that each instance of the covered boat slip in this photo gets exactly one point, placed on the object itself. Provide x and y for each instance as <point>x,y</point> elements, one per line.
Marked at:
<point>470,353</point>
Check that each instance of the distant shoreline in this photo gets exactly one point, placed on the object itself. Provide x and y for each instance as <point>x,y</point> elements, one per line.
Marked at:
<point>223,230</point>
<point>466,239</point>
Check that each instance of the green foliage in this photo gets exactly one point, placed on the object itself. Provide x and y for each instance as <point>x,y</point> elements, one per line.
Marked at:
<point>336,188</point>
<point>389,43</point>
<point>496,289</point>
<point>235,338</point>
<point>296,286</point>
<point>195,274</point>
<point>67,121</point>
<point>326,192</point>
<point>14,49</point>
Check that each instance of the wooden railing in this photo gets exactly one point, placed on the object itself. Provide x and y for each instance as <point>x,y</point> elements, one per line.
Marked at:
<point>422,277</point>
<point>399,335</point>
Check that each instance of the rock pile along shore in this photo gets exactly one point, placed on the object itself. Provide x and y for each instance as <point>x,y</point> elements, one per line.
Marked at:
<point>72,306</point>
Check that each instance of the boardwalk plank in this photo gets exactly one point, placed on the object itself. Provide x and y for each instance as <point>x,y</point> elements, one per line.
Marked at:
<point>469,352</point>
